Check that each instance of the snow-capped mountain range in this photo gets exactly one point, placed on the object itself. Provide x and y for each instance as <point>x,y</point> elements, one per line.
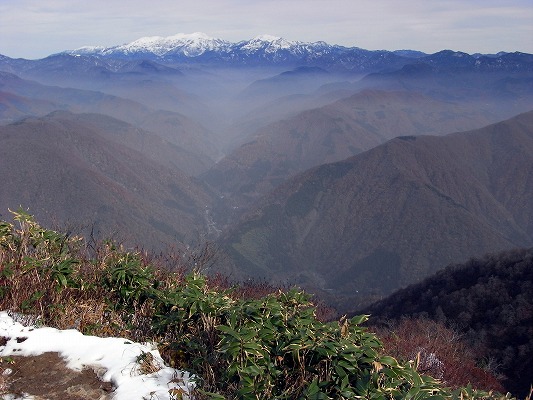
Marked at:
<point>197,44</point>
<point>199,47</point>
<point>189,45</point>
<point>261,51</point>
<point>272,50</point>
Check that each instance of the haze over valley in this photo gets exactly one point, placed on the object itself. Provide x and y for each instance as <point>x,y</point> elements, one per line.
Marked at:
<point>347,171</point>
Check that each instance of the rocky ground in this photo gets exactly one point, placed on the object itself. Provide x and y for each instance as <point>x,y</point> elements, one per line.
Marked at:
<point>46,377</point>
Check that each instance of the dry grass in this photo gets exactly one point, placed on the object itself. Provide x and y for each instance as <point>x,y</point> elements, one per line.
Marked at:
<point>61,280</point>
<point>147,364</point>
<point>5,375</point>
<point>32,282</point>
<point>4,383</point>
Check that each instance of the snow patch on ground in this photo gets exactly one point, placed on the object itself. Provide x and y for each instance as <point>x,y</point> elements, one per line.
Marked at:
<point>118,358</point>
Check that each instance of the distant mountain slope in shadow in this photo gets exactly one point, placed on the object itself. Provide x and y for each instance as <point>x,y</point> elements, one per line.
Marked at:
<point>29,98</point>
<point>333,133</point>
<point>395,214</point>
<point>74,169</point>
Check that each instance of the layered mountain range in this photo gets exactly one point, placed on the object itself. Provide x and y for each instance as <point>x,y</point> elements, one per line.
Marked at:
<point>271,50</point>
<point>382,219</point>
<point>95,173</point>
<point>195,144</point>
<point>285,153</point>
<point>332,133</point>
<point>199,47</point>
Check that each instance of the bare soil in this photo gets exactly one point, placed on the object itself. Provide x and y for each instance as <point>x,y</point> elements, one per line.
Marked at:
<point>46,377</point>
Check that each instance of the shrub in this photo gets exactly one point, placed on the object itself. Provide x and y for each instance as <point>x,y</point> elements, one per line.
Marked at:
<point>439,351</point>
<point>275,348</point>
<point>255,347</point>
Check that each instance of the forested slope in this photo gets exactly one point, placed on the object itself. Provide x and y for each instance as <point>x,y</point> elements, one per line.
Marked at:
<point>489,300</point>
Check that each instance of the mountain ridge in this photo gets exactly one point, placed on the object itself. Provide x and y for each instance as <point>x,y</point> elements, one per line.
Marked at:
<point>394,214</point>
<point>197,142</point>
<point>332,133</point>
<point>269,49</point>
<point>486,300</point>
<point>109,185</point>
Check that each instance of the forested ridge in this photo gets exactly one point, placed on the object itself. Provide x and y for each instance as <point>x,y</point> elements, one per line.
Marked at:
<point>488,300</point>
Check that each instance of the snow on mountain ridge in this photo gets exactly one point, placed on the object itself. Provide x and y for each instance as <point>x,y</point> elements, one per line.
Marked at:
<point>267,38</point>
<point>88,50</point>
<point>196,44</point>
<point>189,44</point>
<point>269,43</point>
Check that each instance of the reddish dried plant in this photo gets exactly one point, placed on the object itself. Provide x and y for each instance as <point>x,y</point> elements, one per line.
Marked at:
<point>439,352</point>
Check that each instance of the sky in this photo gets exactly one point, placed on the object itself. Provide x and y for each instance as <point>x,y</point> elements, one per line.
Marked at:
<point>36,28</point>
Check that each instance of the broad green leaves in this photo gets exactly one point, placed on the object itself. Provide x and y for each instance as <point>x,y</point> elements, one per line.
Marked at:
<point>275,348</point>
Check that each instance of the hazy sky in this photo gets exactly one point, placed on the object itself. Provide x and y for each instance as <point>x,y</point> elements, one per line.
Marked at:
<point>37,28</point>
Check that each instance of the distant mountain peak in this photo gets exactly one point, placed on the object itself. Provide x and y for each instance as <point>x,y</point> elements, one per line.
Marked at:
<point>188,44</point>
<point>267,38</point>
<point>179,37</point>
<point>87,50</point>
<point>269,43</point>
<point>192,36</point>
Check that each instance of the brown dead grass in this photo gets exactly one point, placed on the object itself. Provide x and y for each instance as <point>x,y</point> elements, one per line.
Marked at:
<point>29,254</point>
<point>437,351</point>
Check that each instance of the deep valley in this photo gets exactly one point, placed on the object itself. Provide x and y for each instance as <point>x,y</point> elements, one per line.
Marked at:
<point>349,172</point>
